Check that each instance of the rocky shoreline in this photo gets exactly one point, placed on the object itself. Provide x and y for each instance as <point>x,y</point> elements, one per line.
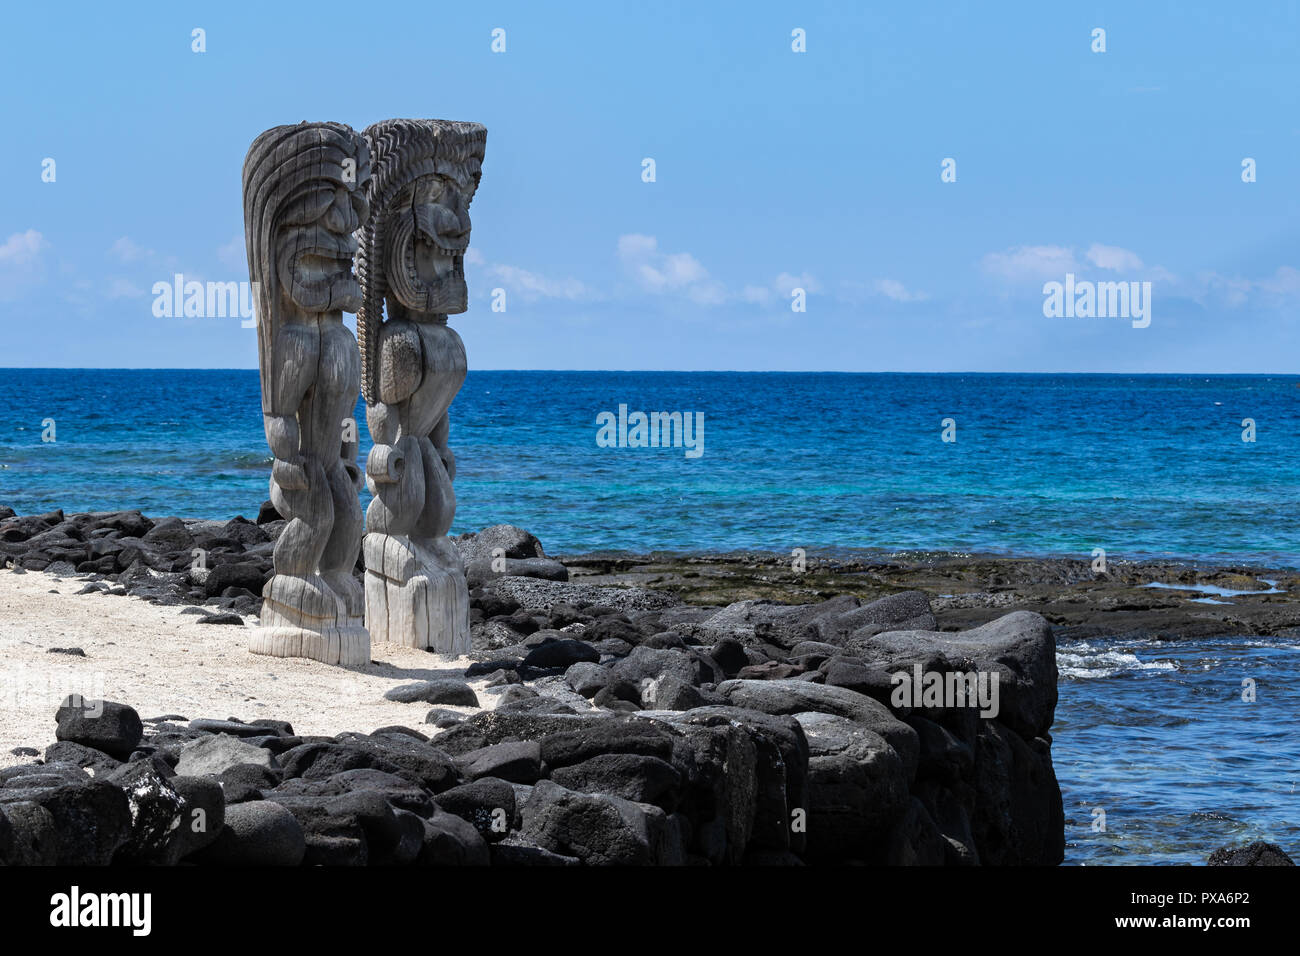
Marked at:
<point>654,710</point>
<point>1165,600</point>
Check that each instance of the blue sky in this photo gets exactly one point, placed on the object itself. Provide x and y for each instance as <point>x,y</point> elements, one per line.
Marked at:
<point>774,170</point>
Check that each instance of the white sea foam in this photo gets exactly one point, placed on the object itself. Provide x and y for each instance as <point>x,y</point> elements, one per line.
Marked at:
<point>1084,662</point>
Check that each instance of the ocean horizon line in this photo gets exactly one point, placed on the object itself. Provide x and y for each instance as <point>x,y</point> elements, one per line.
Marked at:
<point>673,371</point>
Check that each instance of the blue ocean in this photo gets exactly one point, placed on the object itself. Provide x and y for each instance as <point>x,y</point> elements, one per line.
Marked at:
<point>1144,466</point>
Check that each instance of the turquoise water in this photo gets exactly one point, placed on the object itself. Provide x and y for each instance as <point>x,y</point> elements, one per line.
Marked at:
<point>1138,465</point>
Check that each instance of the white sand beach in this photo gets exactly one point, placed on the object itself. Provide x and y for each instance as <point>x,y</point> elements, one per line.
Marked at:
<point>161,661</point>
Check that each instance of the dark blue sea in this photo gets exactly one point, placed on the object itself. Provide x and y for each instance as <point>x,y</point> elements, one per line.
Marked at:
<point>1138,465</point>
<point>1144,466</point>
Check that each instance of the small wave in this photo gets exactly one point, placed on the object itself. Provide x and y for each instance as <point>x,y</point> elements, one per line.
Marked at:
<point>1094,664</point>
<point>242,461</point>
<point>1216,815</point>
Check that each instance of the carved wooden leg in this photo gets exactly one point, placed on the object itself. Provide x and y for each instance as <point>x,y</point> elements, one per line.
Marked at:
<point>343,545</point>
<point>389,558</point>
<point>302,615</point>
<point>448,607</point>
<point>415,586</point>
<point>411,263</point>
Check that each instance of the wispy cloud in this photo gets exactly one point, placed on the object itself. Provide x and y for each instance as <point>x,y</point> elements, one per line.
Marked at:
<point>22,263</point>
<point>1282,288</point>
<point>780,289</point>
<point>663,273</point>
<point>1029,263</point>
<point>531,286</point>
<point>527,284</point>
<point>893,289</point>
<point>657,272</point>
<point>859,292</point>
<point>22,249</point>
<point>1113,257</point>
<point>128,250</point>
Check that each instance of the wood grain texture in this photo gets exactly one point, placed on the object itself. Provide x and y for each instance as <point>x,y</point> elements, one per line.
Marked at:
<point>411,270</point>
<point>304,196</point>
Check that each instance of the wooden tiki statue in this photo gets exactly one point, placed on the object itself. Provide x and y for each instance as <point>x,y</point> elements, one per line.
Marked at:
<point>304,197</point>
<point>425,173</point>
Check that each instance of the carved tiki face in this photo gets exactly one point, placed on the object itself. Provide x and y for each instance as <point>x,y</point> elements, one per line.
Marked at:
<point>315,248</point>
<point>305,192</point>
<point>314,244</point>
<point>430,171</point>
<point>304,196</point>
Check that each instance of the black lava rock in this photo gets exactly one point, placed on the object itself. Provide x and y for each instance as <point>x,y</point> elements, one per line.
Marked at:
<point>103,725</point>
<point>1258,853</point>
<point>562,653</point>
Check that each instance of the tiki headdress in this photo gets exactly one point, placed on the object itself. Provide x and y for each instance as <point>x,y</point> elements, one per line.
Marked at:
<point>298,242</point>
<point>413,246</point>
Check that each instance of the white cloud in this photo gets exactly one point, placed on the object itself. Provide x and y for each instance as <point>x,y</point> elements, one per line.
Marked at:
<point>893,289</point>
<point>22,249</point>
<point>680,273</point>
<point>860,292</point>
<point>1113,257</point>
<point>532,286</point>
<point>786,283</point>
<point>658,272</point>
<point>1282,287</point>
<point>1284,282</point>
<point>780,288</point>
<point>529,286</point>
<point>1028,265</point>
<point>21,263</point>
<point>1023,263</point>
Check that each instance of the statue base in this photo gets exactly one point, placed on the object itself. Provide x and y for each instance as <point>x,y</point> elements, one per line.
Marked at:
<point>302,617</point>
<point>416,594</point>
<point>346,646</point>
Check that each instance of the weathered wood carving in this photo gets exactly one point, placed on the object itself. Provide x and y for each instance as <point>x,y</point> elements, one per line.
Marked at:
<point>411,257</point>
<point>304,197</point>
